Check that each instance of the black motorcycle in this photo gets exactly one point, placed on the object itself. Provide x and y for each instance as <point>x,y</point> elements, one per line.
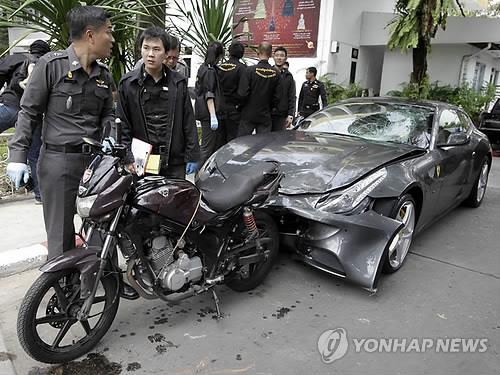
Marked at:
<point>179,240</point>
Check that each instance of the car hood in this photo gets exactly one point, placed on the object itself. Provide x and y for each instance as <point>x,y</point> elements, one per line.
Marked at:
<point>312,162</point>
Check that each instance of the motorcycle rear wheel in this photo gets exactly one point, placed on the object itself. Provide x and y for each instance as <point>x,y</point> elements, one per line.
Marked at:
<point>242,282</point>
<point>59,313</point>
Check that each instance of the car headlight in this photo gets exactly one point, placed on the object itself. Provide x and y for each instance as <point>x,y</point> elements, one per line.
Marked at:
<point>350,198</point>
<point>83,205</point>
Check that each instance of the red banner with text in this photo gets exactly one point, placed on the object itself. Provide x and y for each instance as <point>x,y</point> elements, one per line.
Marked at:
<point>292,24</point>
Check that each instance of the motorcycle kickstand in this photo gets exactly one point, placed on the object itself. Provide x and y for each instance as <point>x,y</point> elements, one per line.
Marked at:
<point>216,300</point>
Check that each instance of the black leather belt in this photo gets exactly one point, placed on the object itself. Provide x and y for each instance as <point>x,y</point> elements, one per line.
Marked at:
<point>162,150</point>
<point>70,149</point>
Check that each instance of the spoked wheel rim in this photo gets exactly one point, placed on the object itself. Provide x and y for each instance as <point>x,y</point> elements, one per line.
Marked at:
<point>482,182</point>
<point>56,327</point>
<point>401,243</point>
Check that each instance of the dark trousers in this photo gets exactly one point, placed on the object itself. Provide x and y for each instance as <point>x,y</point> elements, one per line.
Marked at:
<point>247,127</point>
<point>211,140</point>
<point>278,123</point>
<point>174,171</point>
<point>230,126</point>
<point>59,176</point>
<point>33,155</point>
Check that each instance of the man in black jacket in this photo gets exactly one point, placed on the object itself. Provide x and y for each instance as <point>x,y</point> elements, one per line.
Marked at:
<point>282,113</point>
<point>232,77</point>
<point>14,72</point>
<point>262,93</point>
<point>154,106</point>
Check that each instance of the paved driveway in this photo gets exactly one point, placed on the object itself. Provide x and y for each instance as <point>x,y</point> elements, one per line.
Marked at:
<point>449,289</point>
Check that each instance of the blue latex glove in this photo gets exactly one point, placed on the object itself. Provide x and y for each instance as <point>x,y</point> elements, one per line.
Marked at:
<point>18,172</point>
<point>191,167</point>
<point>214,123</point>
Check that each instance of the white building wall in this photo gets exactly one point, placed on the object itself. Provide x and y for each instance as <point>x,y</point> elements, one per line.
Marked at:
<point>445,62</point>
<point>396,70</point>
<point>444,65</point>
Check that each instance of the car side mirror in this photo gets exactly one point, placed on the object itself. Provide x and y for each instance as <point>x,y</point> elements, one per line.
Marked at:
<point>456,139</point>
<point>297,121</point>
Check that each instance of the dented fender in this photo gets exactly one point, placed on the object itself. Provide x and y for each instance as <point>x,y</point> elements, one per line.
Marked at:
<point>351,247</point>
<point>84,259</point>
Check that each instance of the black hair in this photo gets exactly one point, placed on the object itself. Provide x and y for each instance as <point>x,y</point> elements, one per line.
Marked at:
<point>174,43</point>
<point>85,16</point>
<point>156,32</point>
<point>280,48</point>
<point>236,49</point>
<point>39,47</point>
<point>215,51</point>
<point>265,48</point>
<point>286,63</point>
<point>312,70</point>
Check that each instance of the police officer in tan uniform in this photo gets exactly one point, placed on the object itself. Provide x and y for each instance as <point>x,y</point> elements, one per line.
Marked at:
<point>311,91</point>
<point>69,93</point>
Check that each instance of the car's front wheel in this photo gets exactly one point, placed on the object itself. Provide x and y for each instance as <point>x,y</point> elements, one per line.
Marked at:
<point>479,189</point>
<point>404,211</point>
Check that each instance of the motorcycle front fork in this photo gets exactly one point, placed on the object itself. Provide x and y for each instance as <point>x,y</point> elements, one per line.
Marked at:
<point>109,242</point>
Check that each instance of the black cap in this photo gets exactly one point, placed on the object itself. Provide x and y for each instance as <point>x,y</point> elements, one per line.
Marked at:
<point>39,47</point>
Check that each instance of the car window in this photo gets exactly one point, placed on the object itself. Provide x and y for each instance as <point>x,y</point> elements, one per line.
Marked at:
<point>375,120</point>
<point>450,123</point>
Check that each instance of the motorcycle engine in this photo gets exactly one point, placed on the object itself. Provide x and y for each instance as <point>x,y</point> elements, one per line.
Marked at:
<point>182,271</point>
<point>173,274</point>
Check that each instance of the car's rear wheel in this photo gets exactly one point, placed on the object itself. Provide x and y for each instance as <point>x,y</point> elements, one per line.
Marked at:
<point>405,211</point>
<point>478,191</point>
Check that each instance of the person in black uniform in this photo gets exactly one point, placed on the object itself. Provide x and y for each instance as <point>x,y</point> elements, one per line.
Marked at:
<point>232,76</point>
<point>282,114</point>
<point>14,71</point>
<point>310,92</point>
<point>262,93</point>
<point>208,100</point>
<point>69,94</point>
<point>155,107</point>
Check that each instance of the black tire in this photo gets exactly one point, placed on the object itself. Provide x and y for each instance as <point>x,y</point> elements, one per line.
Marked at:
<point>27,323</point>
<point>266,227</point>
<point>389,263</point>
<point>476,197</point>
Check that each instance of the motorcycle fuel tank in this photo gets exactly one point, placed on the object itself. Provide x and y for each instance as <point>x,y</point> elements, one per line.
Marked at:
<point>171,198</point>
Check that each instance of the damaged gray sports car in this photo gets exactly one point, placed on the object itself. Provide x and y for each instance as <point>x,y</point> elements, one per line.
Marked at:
<point>362,177</point>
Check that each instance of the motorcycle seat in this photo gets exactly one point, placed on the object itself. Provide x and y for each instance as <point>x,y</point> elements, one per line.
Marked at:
<point>222,195</point>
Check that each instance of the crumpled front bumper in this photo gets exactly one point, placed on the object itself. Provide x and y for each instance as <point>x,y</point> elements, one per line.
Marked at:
<point>351,247</point>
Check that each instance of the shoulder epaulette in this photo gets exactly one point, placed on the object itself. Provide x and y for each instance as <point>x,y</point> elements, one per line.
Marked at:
<point>103,65</point>
<point>56,55</point>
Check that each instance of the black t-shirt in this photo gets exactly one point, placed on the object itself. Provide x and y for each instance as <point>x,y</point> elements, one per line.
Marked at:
<point>206,87</point>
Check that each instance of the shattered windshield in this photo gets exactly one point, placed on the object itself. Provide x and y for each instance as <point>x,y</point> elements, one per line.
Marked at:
<point>380,121</point>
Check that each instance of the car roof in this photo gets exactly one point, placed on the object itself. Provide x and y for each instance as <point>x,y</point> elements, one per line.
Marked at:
<point>431,104</point>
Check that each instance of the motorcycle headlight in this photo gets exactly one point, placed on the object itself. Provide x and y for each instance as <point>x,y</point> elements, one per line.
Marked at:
<point>83,205</point>
<point>350,198</point>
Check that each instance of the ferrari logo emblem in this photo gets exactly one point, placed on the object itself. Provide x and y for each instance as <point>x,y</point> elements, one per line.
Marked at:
<point>438,170</point>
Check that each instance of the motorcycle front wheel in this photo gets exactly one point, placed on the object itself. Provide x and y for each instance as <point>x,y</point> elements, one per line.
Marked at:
<point>249,277</point>
<point>47,327</point>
